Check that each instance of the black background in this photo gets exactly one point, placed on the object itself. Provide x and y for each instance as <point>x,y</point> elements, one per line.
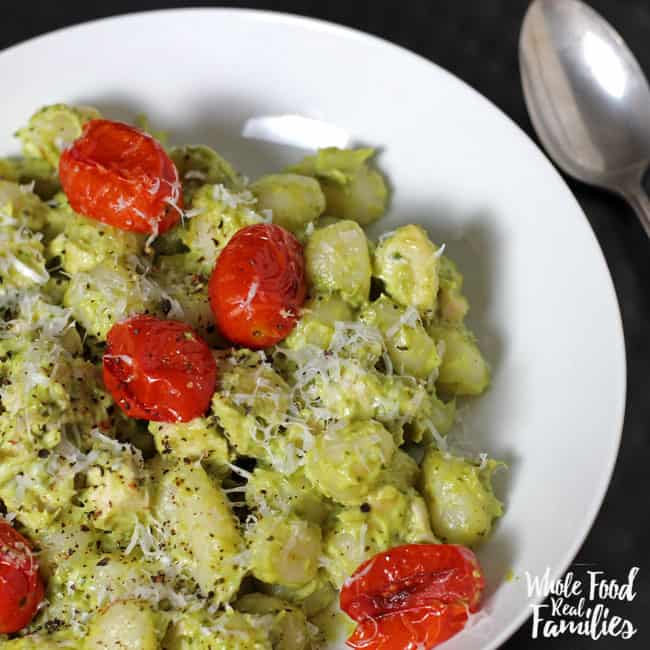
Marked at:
<point>477,41</point>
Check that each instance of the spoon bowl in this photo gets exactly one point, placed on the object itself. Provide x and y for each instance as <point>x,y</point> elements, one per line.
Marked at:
<point>588,98</point>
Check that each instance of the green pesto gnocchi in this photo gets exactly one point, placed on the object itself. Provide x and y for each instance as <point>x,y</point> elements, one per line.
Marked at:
<point>230,630</point>
<point>198,165</point>
<point>314,597</point>
<point>187,500</point>
<point>125,624</point>
<point>338,260</point>
<point>35,173</point>
<point>317,325</point>
<point>284,550</point>
<point>289,628</point>
<point>215,215</point>
<point>235,530</point>
<point>351,187</point>
<point>53,128</point>
<point>268,491</point>
<point>347,460</point>
<point>407,262</point>
<point>197,440</point>
<point>388,517</point>
<point>294,201</point>
<point>412,351</point>
<point>459,496</point>
<point>81,244</point>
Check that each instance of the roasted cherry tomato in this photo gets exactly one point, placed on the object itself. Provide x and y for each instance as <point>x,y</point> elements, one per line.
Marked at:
<point>159,369</point>
<point>415,593</point>
<point>21,587</point>
<point>258,286</point>
<point>118,174</point>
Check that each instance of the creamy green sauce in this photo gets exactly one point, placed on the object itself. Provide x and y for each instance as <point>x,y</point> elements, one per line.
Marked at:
<point>233,531</point>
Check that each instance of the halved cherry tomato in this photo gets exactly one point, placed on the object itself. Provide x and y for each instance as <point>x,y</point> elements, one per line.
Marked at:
<point>21,587</point>
<point>159,370</point>
<point>118,174</point>
<point>258,286</point>
<point>413,593</point>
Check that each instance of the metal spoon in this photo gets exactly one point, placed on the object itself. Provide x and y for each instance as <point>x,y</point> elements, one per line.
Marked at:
<point>588,98</point>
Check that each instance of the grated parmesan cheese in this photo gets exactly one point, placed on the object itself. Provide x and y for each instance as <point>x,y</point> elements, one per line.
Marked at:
<point>245,305</point>
<point>195,174</point>
<point>28,188</point>
<point>410,318</point>
<point>232,199</point>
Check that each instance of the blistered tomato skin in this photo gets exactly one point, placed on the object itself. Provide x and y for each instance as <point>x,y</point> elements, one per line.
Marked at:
<point>119,175</point>
<point>414,629</point>
<point>258,286</point>
<point>159,370</point>
<point>419,593</point>
<point>21,587</point>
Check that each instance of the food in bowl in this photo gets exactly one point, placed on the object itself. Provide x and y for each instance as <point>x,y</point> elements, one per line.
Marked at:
<point>224,409</point>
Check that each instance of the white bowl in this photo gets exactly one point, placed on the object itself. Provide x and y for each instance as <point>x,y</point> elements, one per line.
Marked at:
<point>543,303</point>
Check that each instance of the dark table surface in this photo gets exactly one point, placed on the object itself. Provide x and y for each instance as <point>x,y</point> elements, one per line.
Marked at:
<point>477,41</point>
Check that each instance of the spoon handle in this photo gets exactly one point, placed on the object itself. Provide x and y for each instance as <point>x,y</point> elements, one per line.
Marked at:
<point>639,200</point>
